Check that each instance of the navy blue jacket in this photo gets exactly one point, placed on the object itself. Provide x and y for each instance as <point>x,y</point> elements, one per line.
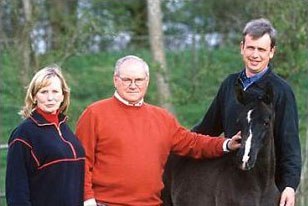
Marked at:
<point>45,164</point>
<point>223,112</point>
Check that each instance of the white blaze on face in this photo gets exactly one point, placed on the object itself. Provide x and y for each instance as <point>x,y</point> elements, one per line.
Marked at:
<point>248,142</point>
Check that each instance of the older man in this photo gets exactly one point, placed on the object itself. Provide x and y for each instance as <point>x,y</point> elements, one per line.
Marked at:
<point>127,142</point>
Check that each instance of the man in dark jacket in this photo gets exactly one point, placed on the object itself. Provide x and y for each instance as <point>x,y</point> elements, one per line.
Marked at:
<point>257,49</point>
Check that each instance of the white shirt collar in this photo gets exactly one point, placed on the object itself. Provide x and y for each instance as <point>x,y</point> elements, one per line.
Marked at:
<point>138,104</point>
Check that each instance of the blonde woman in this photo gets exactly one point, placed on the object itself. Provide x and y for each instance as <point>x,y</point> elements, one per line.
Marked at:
<point>45,163</point>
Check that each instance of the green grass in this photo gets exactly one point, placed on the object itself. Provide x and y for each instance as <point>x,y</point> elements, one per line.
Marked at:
<point>2,172</point>
<point>195,79</point>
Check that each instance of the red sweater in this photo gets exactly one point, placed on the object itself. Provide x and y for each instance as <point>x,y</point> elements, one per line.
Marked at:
<point>127,148</point>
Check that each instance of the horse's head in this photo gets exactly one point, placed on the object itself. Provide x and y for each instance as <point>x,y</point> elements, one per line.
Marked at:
<point>255,122</point>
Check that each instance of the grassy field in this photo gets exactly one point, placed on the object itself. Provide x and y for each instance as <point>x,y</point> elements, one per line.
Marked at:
<point>194,78</point>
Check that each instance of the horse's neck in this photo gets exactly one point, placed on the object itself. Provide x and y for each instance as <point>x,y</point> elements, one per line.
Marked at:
<point>266,162</point>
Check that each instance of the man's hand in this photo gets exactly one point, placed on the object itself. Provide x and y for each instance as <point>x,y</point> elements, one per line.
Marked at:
<point>235,142</point>
<point>287,197</point>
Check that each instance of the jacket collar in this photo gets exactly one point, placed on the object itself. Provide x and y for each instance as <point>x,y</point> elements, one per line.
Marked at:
<point>41,121</point>
<point>118,97</point>
<point>261,81</point>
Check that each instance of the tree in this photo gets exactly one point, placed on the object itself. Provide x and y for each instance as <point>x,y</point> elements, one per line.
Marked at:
<point>157,49</point>
<point>62,17</point>
<point>25,42</point>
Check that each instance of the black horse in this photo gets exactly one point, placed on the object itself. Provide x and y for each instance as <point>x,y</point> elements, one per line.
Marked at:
<point>242,178</point>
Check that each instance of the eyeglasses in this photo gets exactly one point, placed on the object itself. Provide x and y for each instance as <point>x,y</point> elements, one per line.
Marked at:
<point>128,82</point>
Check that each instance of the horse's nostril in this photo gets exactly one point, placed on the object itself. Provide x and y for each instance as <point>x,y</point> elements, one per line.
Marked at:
<point>245,166</point>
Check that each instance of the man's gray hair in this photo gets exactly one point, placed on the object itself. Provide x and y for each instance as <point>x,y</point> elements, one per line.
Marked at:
<point>130,57</point>
<point>258,27</point>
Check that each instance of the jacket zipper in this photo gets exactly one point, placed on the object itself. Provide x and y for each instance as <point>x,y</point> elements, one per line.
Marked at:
<point>70,144</point>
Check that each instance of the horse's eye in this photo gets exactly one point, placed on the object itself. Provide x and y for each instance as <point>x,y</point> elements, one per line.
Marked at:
<point>266,124</point>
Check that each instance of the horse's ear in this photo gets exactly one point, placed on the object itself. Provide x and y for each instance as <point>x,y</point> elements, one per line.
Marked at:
<point>239,92</point>
<point>241,95</point>
<point>269,94</point>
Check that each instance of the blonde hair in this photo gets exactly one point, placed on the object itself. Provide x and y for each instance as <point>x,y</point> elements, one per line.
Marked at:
<point>42,79</point>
